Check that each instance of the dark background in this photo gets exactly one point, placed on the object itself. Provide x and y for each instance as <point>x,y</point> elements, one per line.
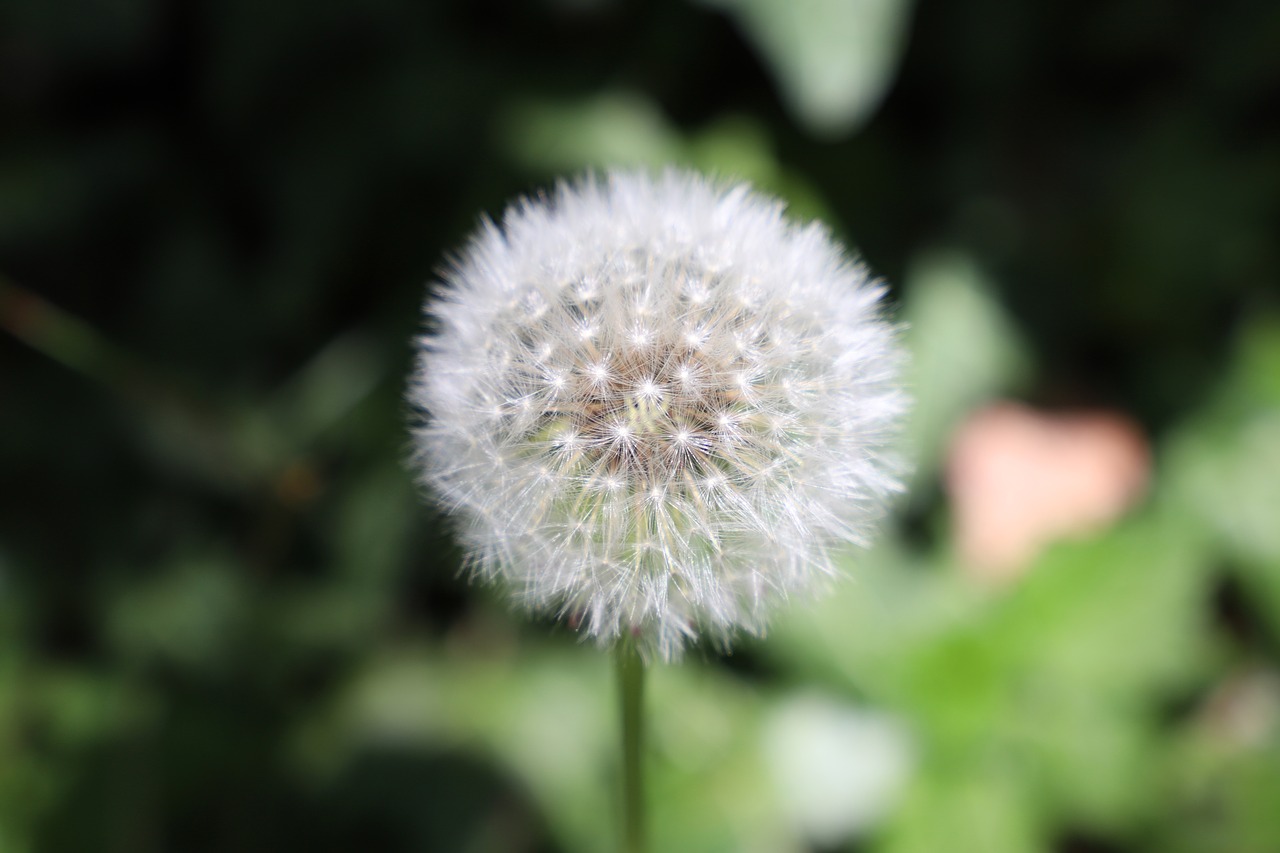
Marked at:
<point>228,622</point>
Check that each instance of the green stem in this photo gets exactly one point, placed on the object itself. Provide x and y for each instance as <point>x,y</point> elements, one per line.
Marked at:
<point>631,695</point>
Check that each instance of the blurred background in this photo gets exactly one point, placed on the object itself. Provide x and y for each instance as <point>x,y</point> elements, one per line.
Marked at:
<point>228,622</point>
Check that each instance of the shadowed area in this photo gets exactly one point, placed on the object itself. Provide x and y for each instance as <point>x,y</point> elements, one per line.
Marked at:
<point>232,620</point>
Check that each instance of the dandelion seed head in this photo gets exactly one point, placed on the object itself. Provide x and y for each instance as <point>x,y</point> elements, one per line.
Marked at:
<point>658,406</point>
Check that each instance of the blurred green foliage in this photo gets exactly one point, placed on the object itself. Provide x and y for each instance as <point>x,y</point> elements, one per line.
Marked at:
<point>227,622</point>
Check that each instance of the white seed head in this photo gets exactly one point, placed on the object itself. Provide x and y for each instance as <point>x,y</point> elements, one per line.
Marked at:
<point>657,406</point>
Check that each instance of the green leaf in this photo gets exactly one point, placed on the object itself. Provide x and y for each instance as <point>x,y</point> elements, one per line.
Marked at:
<point>623,129</point>
<point>1220,793</point>
<point>834,60</point>
<point>965,350</point>
<point>1062,676</point>
<point>192,614</point>
<point>862,632</point>
<point>1224,467</point>
<point>614,129</point>
<point>984,807</point>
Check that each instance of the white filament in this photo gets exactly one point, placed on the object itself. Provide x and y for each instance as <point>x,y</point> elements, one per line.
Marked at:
<point>657,405</point>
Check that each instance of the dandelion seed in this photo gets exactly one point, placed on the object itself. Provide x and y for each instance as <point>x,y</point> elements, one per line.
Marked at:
<point>692,402</point>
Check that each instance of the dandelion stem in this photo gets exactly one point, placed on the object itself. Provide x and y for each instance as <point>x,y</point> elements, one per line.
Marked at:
<point>631,700</point>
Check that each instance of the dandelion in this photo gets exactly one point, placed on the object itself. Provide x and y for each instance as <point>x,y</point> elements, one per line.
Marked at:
<point>657,407</point>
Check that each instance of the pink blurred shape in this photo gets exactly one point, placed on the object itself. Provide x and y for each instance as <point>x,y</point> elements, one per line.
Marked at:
<point>1020,479</point>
